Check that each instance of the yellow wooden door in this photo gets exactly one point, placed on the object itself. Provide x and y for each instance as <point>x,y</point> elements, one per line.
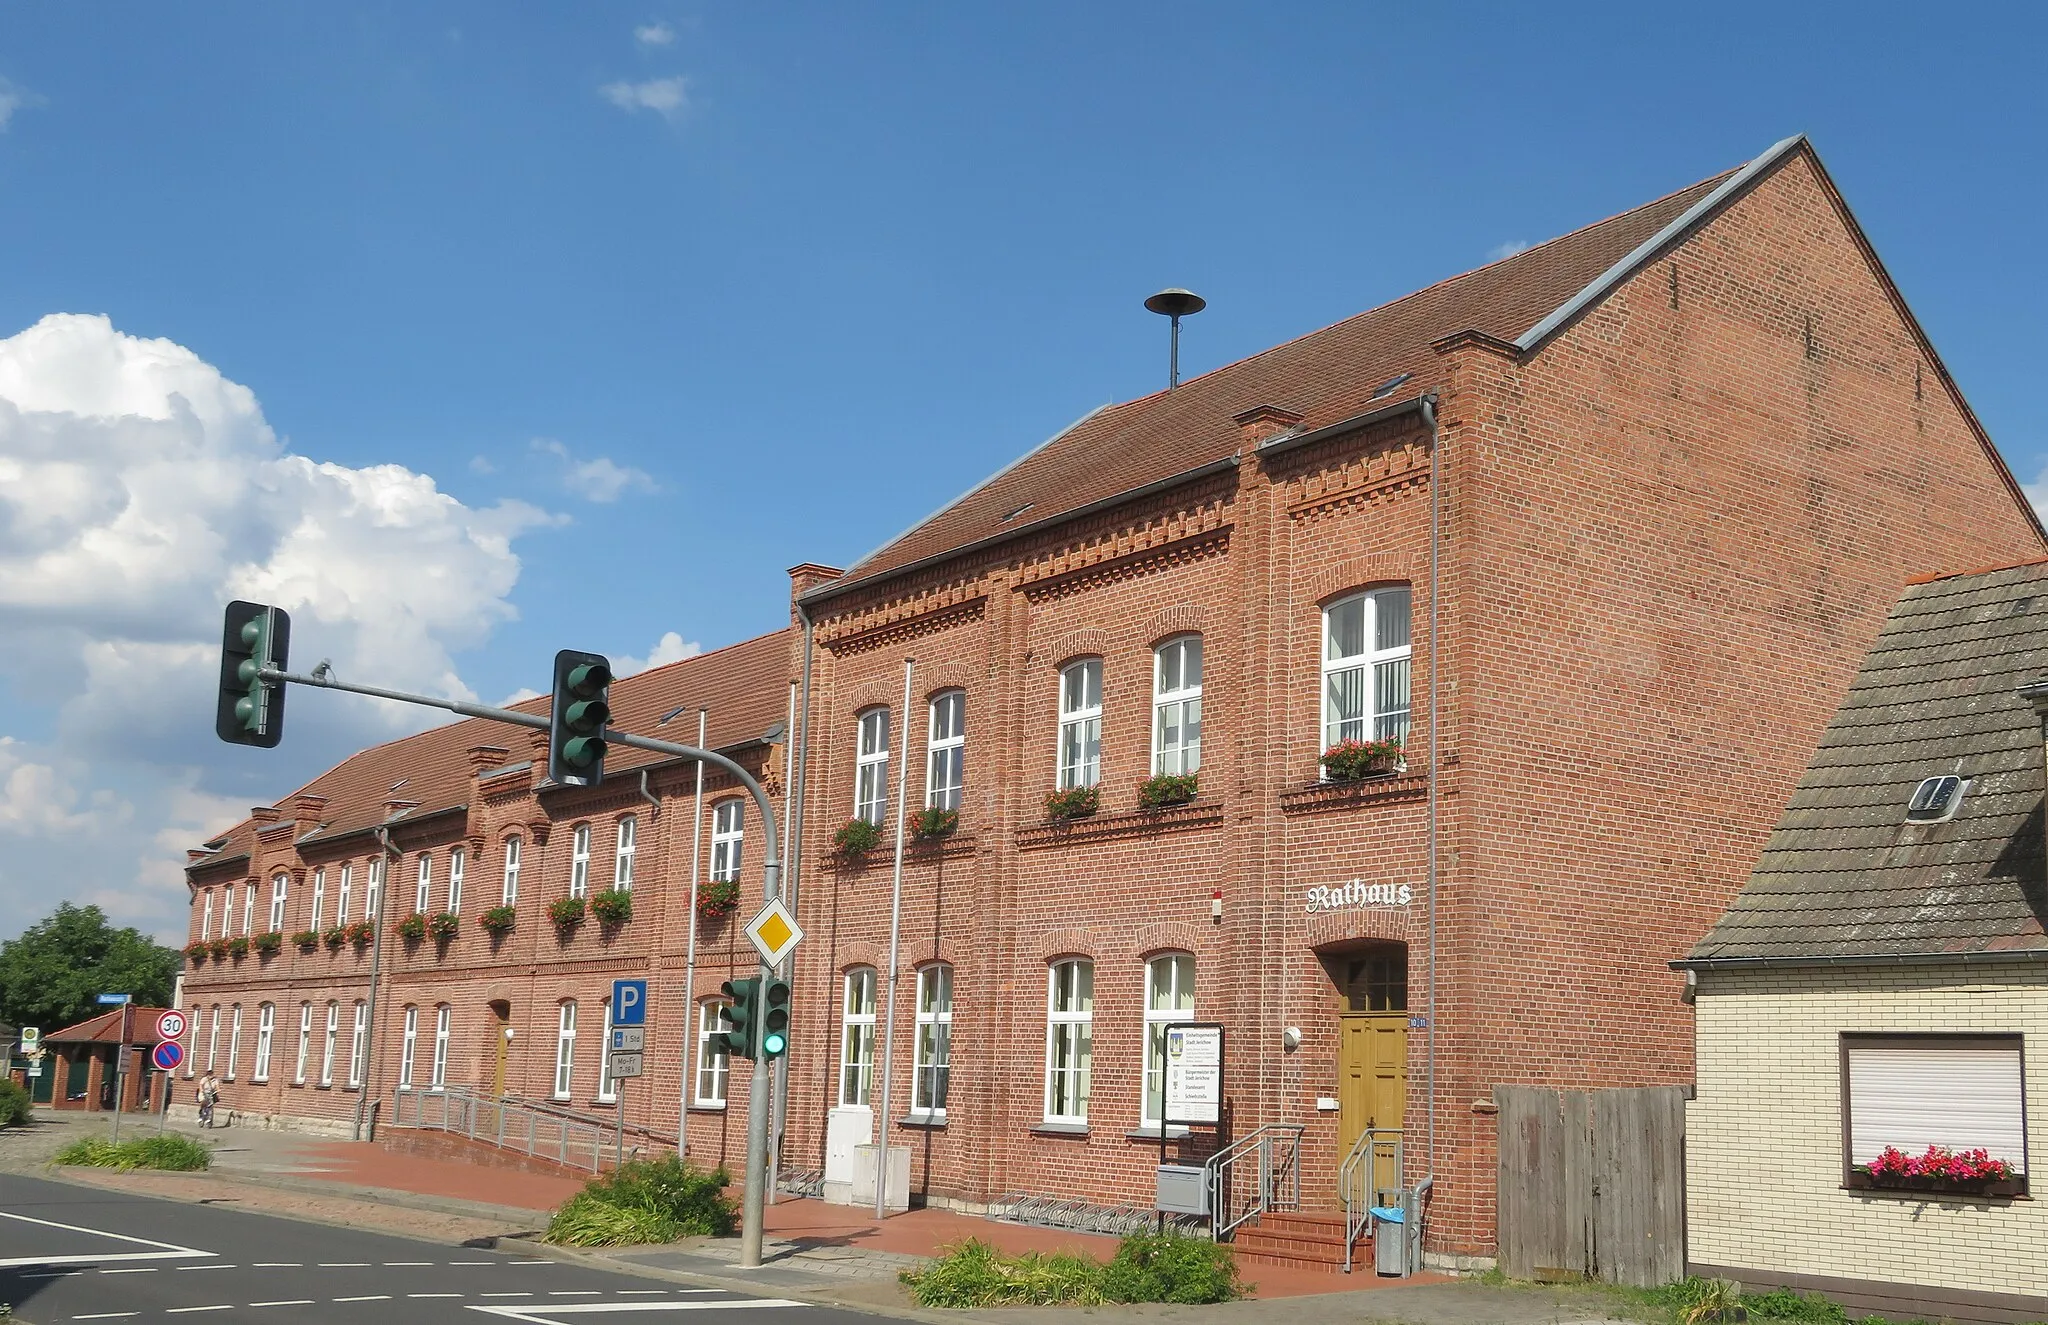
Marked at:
<point>1372,1087</point>
<point>498,1071</point>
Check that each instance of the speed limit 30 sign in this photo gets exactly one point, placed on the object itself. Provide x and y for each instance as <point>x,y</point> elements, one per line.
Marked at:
<point>170,1025</point>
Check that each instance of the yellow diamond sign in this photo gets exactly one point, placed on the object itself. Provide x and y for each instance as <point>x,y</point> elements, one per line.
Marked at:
<point>774,932</point>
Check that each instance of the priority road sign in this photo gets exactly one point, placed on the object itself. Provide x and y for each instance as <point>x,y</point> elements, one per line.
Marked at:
<point>167,1055</point>
<point>774,933</point>
<point>629,1003</point>
<point>170,1025</point>
<point>628,1065</point>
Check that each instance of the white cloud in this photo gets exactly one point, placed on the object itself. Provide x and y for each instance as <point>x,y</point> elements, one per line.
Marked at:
<point>664,96</point>
<point>655,34</point>
<point>481,465</point>
<point>671,647</point>
<point>599,480</point>
<point>139,491</point>
<point>14,97</point>
<point>1506,250</point>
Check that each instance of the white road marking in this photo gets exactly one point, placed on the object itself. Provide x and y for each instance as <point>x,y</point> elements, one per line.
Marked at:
<point>629,1292</point>
<point>295,1302</point>
<point>277,1265</point>
<point>106,1315</point>
<point>390,1264</point>
<point>572,1292</point>
<point>476,1262</point>
<point>504,1295</point>
<point>179,1311</point>
<point>545,1315</point>
<point>344,1265</point>
<point>529,1262</point>
<point>209,1267</point>
<point>166,1250</point>
<point>433,1295</point>
<point>52,1274</point>
<point>133,1269</point>
<point>371,1297</point>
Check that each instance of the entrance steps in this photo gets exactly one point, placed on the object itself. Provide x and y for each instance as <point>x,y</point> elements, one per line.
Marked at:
<point>1300,1240</point>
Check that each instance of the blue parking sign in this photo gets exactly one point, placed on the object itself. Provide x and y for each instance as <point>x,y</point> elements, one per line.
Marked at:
<point>629,1002</point>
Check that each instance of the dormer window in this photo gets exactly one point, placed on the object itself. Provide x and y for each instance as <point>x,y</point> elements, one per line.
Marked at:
<point>1935,800</point>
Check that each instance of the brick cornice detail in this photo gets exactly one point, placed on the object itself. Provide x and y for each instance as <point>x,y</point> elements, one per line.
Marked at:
<point>1134,823</point>
<point>1355,573</point>
<point>1352,485</point>
<point>1326,797</point>
<point>1155,556</point>
<point>907,620</point>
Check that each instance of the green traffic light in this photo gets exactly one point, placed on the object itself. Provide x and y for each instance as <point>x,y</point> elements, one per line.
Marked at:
<point>587,714</point>
<point>773,1043</point>
<point>582,751</point>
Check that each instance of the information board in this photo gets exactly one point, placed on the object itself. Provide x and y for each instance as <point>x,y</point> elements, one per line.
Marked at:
<point>1194,1074</point>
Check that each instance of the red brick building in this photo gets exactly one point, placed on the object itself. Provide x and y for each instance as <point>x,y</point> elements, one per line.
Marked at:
<point>1622,512</point>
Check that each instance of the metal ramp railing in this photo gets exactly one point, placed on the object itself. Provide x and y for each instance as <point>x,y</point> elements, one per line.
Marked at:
<point>1248,1177</point>
<point>526,1127</point>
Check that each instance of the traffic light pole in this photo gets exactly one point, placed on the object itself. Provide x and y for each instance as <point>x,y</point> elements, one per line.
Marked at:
<point>754,1201</point>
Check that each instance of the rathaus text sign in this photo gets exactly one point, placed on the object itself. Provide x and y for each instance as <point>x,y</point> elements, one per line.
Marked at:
<point>1355,894</point>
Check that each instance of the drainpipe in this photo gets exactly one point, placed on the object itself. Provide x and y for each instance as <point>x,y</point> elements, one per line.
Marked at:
<point>901,754</point>
<point>1436,488</point>
<point>690,959</point>
<point>778,1100</point>
<point>385,884</point>
<point>649,797</point>
<point>793,815</point>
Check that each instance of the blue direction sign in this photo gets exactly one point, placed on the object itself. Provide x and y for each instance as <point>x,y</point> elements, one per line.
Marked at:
<point>167,1055</point>
<point>115,999</point>
<point>629,1002</point>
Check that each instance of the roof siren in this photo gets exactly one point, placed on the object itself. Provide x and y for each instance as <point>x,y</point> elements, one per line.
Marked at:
<point>1175,304</point>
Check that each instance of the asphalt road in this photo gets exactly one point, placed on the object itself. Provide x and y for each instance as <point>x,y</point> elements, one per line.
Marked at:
<point>84,1254</point>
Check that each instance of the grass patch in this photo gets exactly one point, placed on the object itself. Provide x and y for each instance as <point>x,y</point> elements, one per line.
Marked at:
<point>1146,1268</point>
<point>177,1154</point>
<point>645,1200</point>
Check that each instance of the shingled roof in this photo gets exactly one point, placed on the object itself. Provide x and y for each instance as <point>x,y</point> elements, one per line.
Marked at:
<point>744,686</point>
<point>1845,876</point>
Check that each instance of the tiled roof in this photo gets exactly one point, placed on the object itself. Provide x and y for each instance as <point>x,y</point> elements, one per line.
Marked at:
<point>745,686</point>
<point>105,1028</point>
<point>1327,376</point>
<point>1845,875</point>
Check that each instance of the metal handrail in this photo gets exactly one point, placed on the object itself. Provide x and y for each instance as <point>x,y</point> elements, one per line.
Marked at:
<point>1276,1149</point>
<point>1362,1160</point>
<point>524,1127</point>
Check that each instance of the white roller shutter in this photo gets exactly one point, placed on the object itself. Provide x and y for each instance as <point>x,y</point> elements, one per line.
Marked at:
<point>1962,1096</point>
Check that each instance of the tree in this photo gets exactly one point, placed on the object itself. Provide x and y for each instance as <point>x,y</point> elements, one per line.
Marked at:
<point>51,975</point>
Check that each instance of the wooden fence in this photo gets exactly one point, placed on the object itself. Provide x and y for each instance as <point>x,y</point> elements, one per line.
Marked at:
<point>1592,1184</point>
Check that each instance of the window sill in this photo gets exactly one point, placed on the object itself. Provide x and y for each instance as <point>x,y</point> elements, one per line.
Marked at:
<point>1174,1133</point>
<point>2001,1193</point>
<point>707,1108</point>
<point>931,1122</point>
<point>1202,812</point>
<point>1060,1129</point>
<point>1321,797</point>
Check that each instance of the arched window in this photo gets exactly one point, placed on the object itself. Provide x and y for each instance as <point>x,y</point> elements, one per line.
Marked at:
<point>565,1050</point>
<point>728,832</point>
<point>192,1059</point>
<point>456,859</point>
<point>342,896</point>
<point>1365,667</point>
<point>871,768</point>
<point>713,1062</point>
<point>1169,998</point>
<point>373,890</point>
<point>319,898</point>
<point>408,1046</point>
<point>857,1037</point>
<point>422,890</point>
<point>206,918</point>
<point>213,1040</point>
<point>1081,723</point>
<point>579,860</point>
<point>1177,706</point>
<point>235,1034</point>
<point>327,1045</point>
<point>946,766</point>
<point>622,863</point>
<point>934,1041</point>
<point>440,1077</point>
<point>266,1027</point>
<point>1069,1039</point>
<point>248,907</point>
<point>359,1045</point>
<point>305,1039</point>
<point>510,895</point>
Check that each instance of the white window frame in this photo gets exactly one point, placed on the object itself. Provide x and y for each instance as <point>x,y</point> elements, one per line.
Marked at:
<point>565,1049</point>
<point>206,918</point>
<point>305,1042</point>
<point>945,765</point>
<point>1962,1092</point>
<point>373,890</point>
<point>1179,971</point>
<point>456,860</point>
<point>622,860</point>
<point>728,839</point>
<point>439,1080</point>
<point>1075,1026</point>
<point>607,1089</point>
<point>1366,668</point>
<point>579,860</point>
<point>266,1027</point>
<point>408,1046</point>
<point>359,1046</point>
<point>319,897</point>
<point>234,1038</point>
<point>248,907</point>
<point>857,1038</point>
<point>327,1045</point>
<point>1080,731</point>
<point>423,887</point>
<point>1177,708</point>
<point>931,1079</point>
<point>509,894</point>
<point>192,1059</point>
<point>280,896</point>
<point>343,895</point>
<point>714,1062</point>
<point>213,1040</point>
<point>871,766</point>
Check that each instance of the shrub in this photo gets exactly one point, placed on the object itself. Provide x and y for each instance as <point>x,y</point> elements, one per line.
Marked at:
<point>335,937</point>
<point>413,928</point>
<point>443,926</point>
<point>612,907</point>
<point>1348,760</point>
<point>1073,803</point>
<point>307,939</point>
<point>1156,793</point>
<point>14,1104</point>
<point>934,824</point>
<point>170,1151</point>
<point>565,912</point>
<point>268,942</point>
<point>645,1200</point>
<point>1171,1267</point>
<point>196,953</point>
<point>718,898</point>
<point>855,838</point>
<point>499,919</point>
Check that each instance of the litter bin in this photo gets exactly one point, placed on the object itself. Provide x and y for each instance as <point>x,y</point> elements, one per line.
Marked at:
<point>1390,1239</point>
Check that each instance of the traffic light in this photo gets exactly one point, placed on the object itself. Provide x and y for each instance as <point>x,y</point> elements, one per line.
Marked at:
<point>774,1018</point>
<point>576,726</point>
<point>744,1014</point>
<point>251,710</point>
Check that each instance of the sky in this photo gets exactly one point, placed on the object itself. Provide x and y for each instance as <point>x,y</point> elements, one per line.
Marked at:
<point>471,331</point>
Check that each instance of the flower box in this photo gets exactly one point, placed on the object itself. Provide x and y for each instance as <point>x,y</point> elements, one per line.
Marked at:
<point>197,952</point>
<point>1167,789</point>
<point>1072,803</point>
<point>934,824</point>
<point>443,927</point>
<point>565,913</point>
<point>307,939</point>
<point>718,899</point>
<point>499,920</point>
<point>412,929</point>
<point>612,907</point>
<point>219,949</point>
<point>238,946</point>
<point>1964,1173</point>
<point>268,942</point>
<point>854,839</point>
<point>336,936</point>
<point>1347,761</point>
<point>362,933</point>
